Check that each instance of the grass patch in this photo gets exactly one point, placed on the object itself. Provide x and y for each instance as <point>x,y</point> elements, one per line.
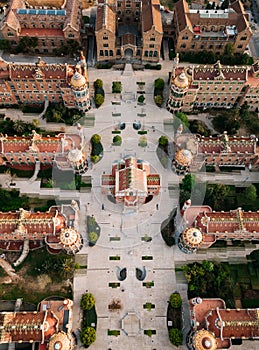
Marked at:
<point>149,306</point>
<point>116,257</point>
<point>142,132</point>
<point>148,284</point>
<point>114,332</point>
<point>115,239</point>
<point>149,332</point>
<point>116,131</point>
<point>147,257</point>
<point>114,284</point>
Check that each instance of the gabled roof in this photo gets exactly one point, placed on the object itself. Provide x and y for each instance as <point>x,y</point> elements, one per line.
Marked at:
<point>106,16</point>
<point>151,16</point>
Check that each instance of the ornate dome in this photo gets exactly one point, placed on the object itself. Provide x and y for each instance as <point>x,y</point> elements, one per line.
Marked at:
<point>184,157</point>
<point>59,341</point>
<point>192,236</point>
<point>181,81</point>
<point>75,156</point>
<point>69,237</point>
<point>204,340</point>
<point>78,80</point>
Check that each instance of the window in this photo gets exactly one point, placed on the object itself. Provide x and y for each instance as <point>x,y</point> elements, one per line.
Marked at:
<point>151,46</point>
<point>183,46</point>
<point>146,54</point>
<point>150,53</point>
<point>101,52</point>
<point>153,39</point>
<point>70,35</point>
<point>118,52</point>
<point>239,46</point>
<point>155,54</point>
<point>105,37</point>
<point>111,53</point>
<point>105,45</point>
<point>243,38</point>
<point>10,34</point>
<point>106,53</point>
<point>185,37</point>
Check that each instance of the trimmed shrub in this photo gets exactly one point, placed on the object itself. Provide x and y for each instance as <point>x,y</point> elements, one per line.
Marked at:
<point>175,336</point>
<point>141,98</point>
<point>116,87</point>
<point>98,84</point>
<point>87,301</point>
<point>88,336</point>
<point>175,300</point>
<point>98,100</point>
<point>117,140</point>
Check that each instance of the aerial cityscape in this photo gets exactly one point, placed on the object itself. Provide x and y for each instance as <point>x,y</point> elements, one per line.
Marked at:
<point>129,174</point>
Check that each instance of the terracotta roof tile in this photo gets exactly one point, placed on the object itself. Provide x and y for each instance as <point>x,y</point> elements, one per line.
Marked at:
<point>41,32</point>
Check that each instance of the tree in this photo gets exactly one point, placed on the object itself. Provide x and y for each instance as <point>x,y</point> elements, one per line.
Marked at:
<point>116,87</point>
<point>96,138</point>
<point>4,44</point>
<point>250,193</point>
<point>216,194</point>
<point>175,300</point>
<point>98,100</point>
<point>92,236</point>
<point>182,118</point>
<point>188,182</point>
<point>88,336</point>
<point>159,100</point>
<point>159,84</point>
<point>27,43</point>
<point>98,84</point>
<point>199,127</point>
<point>229,50</point>
<point>36,123</point>
<point>175,336</point>
<point>208,265</point>
<point>225,4</point>
<point>19,127</point>
<point>117,140</point>
<point>95,158</point>
<point>163,141</point>
<point>141,98</point>
<point>87,301</point>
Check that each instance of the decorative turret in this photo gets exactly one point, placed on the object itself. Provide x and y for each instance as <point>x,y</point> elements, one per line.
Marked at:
<point>190,240</point>
<point>70,240</point>
<point>79,85</point>
<point>182,161</point>
<point>179,88</point>
<point>77,160</point>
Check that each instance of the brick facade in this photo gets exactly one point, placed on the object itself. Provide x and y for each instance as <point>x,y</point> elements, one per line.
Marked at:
<point>128,29</point>
<point>51,25</point>
<point>216,86</point>
<point>33,84</point>
<point>210,30</point>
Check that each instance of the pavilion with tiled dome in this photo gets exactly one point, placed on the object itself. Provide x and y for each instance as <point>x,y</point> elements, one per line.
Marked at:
<point>130,182</point>
<point>213,326</point>
<point>50,327</point>
<point>24,152</point>
<point>57,229</point>
<point>201,227</point>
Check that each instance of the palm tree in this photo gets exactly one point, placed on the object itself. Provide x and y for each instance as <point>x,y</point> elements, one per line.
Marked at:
<point>19,127</point>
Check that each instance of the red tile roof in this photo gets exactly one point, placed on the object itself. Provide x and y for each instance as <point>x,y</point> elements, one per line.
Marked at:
<point>41,32</point>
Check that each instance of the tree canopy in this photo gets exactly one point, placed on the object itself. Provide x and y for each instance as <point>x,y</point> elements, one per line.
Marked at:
<point>175,336</point>
<point>87,301</point>
<point>175,300</point>
<point>88,336</point>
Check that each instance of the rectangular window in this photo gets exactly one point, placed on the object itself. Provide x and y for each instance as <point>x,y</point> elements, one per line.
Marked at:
<point>105,37</point>
<point>105,45</point>
<point>151,46</point>
<point>153,38</point>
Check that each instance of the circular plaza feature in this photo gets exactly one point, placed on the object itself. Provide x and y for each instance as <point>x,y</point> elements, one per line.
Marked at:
<point>184,157</point>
